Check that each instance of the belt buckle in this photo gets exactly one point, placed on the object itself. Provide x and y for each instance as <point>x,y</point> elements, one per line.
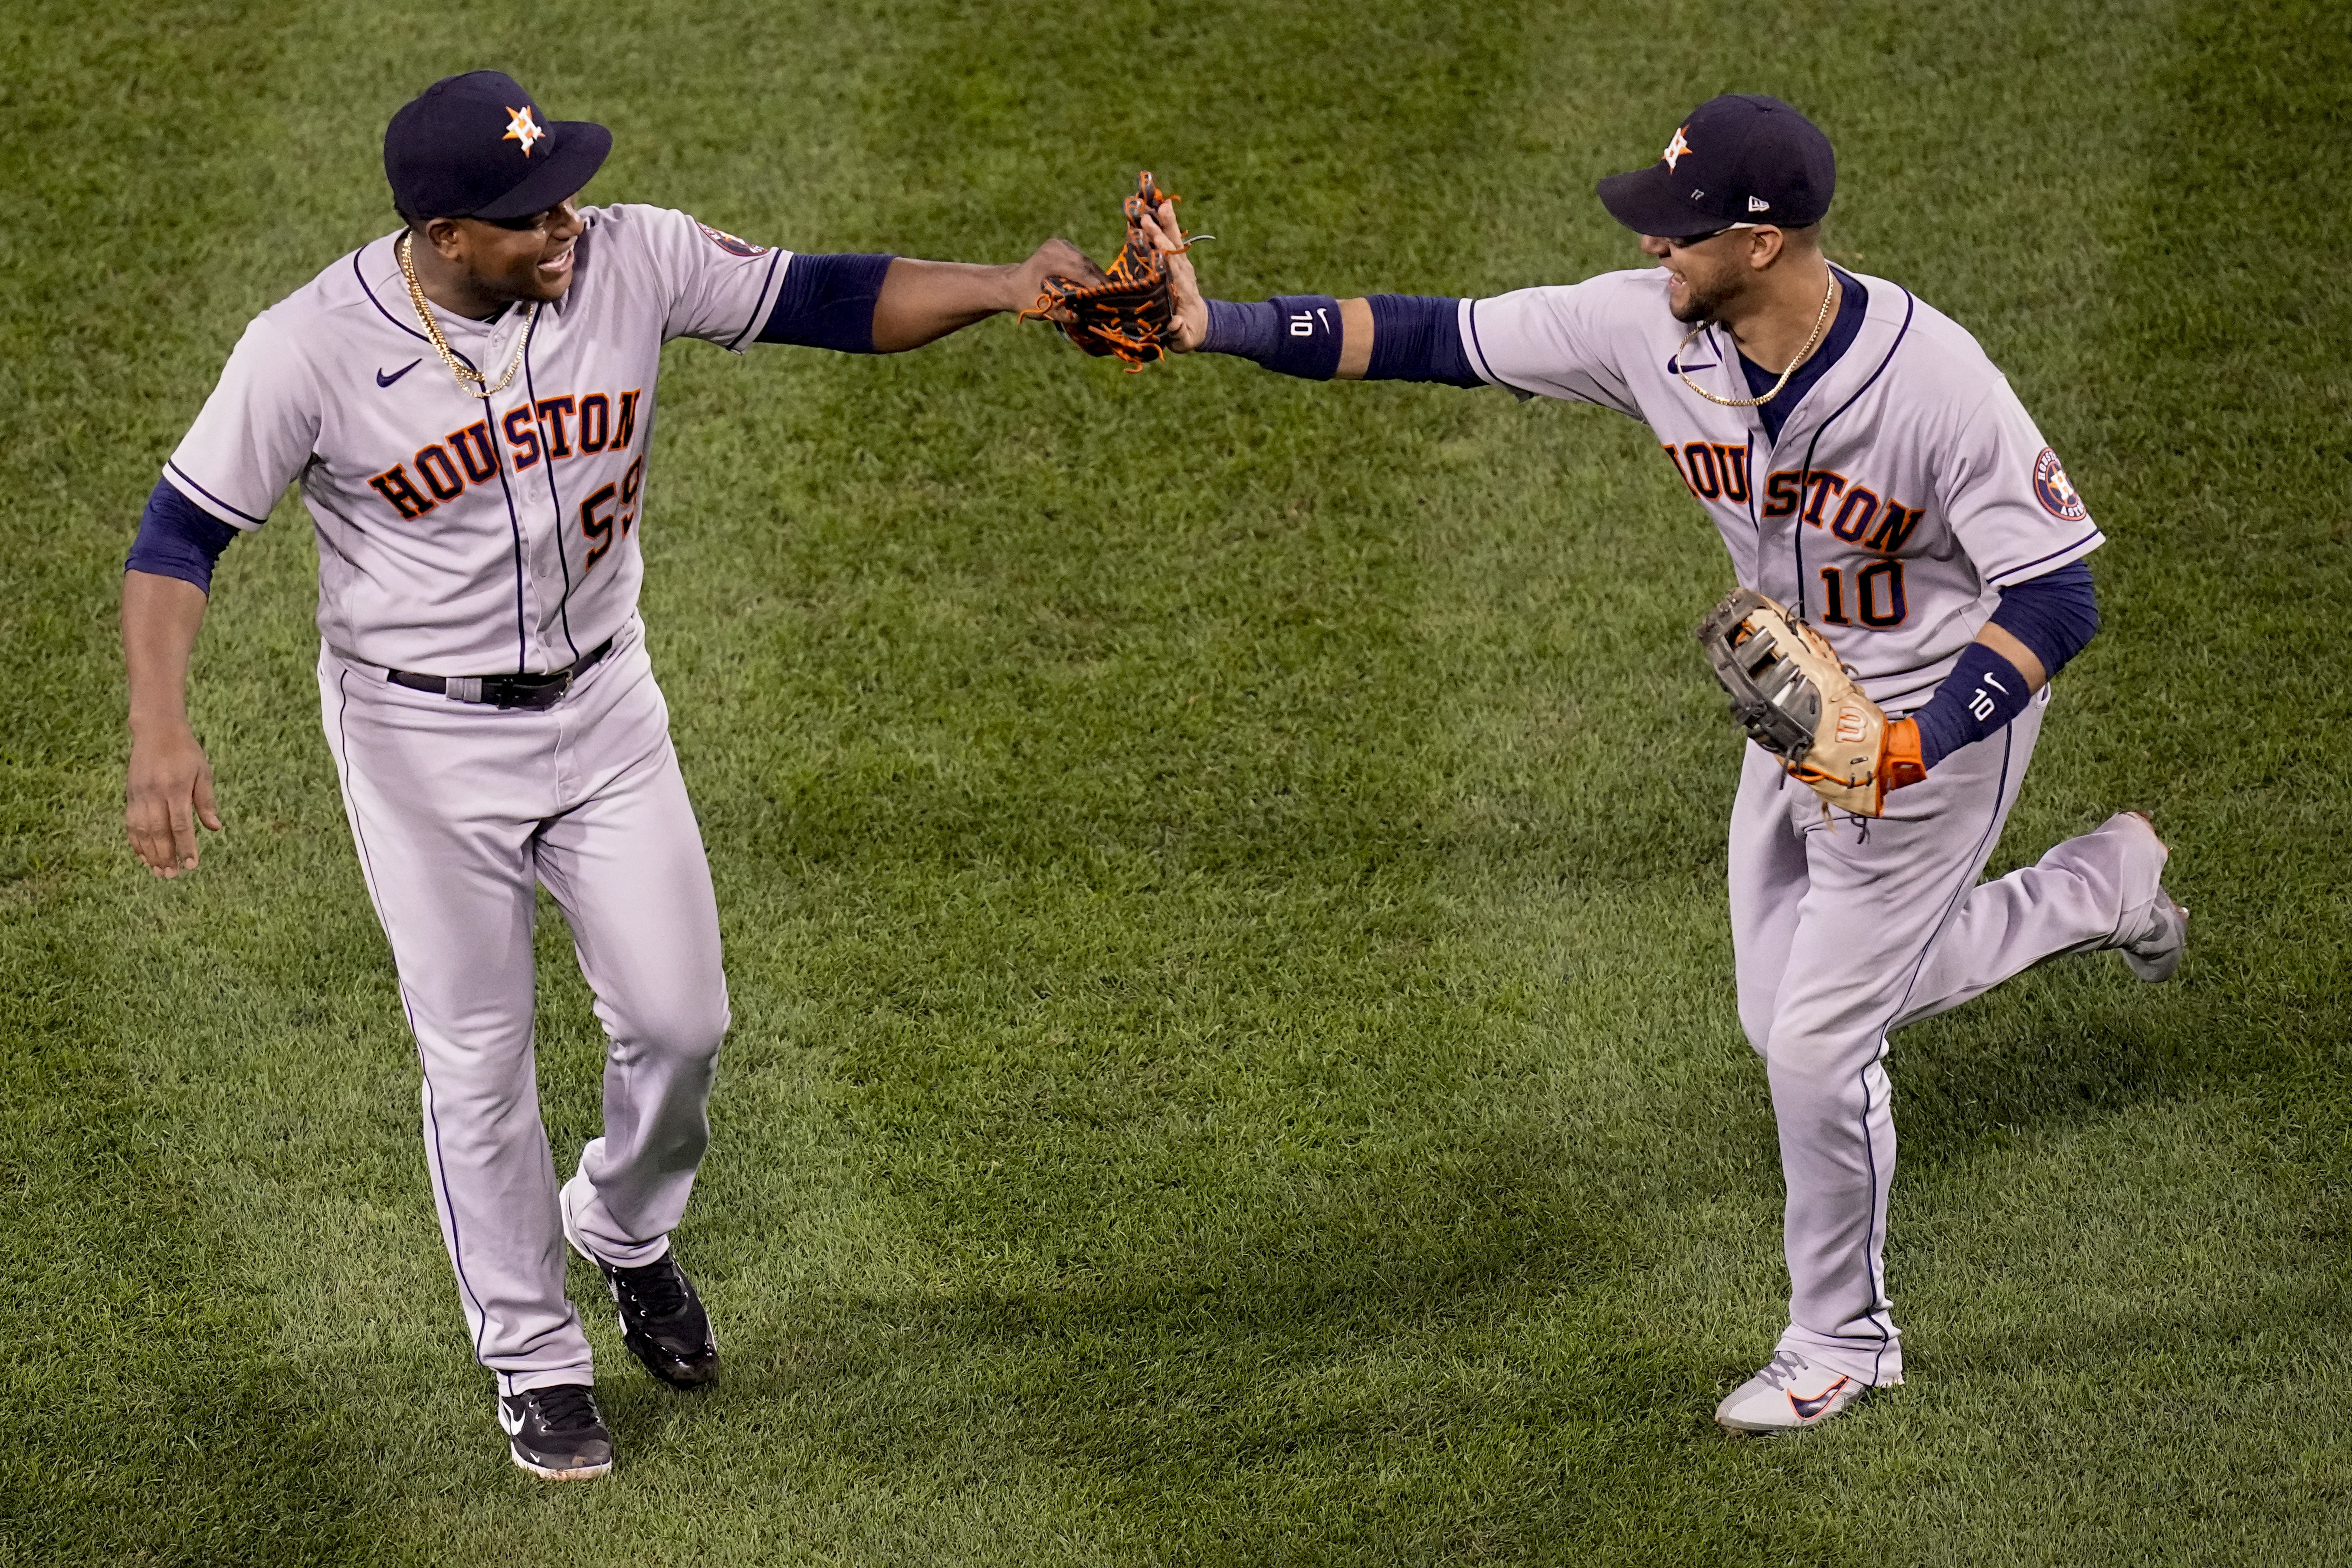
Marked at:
<point>540,698</point>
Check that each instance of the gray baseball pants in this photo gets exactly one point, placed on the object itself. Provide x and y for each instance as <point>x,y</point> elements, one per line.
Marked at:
<point>458,811</point>
<point>1844,929</point>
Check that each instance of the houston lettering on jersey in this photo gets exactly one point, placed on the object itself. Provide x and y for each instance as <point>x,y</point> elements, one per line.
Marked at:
<point>1862,517</point>
<point>552,428</point>
<point>1872,595</point>
<point>1711,468</point>
<point>1718,470</point>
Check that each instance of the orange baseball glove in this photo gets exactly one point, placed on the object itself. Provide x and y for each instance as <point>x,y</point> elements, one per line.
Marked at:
<point>1129,313</point>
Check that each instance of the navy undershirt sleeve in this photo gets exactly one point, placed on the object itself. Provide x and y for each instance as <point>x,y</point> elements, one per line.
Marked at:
<point>1417,337</point>
<point>177,538</point>
<point>2055,614</point>
<point>1246,332</point>
<point>828,302</point>
<point>1842,331</point>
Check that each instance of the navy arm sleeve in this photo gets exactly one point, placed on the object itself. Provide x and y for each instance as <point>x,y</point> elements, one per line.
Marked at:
<point>828,302</point>
<point>1416,337</point>
<point>178,538</point>
<point>2054,615</point>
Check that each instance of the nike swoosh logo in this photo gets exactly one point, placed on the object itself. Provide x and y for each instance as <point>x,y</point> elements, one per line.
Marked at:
<point>383,380</point>
<point>1679,368</point>
<point>1807,1409</point>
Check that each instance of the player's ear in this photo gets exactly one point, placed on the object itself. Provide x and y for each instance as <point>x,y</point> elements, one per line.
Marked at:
<point>1765,245</point>
<point>447,237</point>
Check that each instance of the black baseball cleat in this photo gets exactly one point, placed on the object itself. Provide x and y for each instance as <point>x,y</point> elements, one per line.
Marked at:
<point>663,1322</point>
<point>662,1318</point>
<point>556,1433</point>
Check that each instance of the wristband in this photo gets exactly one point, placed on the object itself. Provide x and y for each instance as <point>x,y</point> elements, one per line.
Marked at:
<point>1982,694</point>
<point>1290,334</point>
<point>1307,346</point>
<point>1248,331</point>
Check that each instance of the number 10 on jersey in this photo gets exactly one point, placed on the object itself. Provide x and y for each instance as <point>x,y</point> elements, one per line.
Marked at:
<point>1877,591</point>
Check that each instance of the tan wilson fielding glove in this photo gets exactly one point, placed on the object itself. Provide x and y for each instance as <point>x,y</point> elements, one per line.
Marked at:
<point>1795,699</point>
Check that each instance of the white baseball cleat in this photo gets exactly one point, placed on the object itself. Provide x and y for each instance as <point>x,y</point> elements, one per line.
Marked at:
<point>2162,928</point>
<point>1790,1393</point>
<point>2153,935</point>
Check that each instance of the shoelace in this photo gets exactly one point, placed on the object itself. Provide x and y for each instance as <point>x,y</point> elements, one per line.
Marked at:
<point>1781,1369</point>
<point>657,1291</point>
<point>570,1407</point>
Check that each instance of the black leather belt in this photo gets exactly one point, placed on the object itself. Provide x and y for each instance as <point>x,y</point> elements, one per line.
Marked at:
<point>504,691</point>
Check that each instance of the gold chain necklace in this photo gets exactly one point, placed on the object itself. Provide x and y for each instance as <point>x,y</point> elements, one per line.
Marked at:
<point>1819,321</point>
<point>458,367</point>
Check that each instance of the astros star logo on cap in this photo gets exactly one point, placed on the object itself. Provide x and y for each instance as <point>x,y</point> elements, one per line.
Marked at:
<point>1675,148</point>
<point>522,128</point>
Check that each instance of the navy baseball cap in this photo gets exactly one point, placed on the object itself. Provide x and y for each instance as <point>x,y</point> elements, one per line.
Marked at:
<point>1740,158</point>
<point>478,145</point>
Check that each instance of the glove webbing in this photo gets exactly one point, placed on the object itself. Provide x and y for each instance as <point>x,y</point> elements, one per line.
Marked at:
<point>1109,318</point>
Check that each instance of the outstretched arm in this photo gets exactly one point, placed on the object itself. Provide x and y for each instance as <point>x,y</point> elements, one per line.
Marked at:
<point>1316,337</point>
<point>922,300</point>
<point>884,304</point>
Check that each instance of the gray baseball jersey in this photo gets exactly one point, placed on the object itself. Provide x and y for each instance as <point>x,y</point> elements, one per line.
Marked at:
<point>1906,489</point>
<point>459,536</point>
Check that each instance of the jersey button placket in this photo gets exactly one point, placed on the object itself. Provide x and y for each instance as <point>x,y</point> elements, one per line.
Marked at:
<point>535,495</point>
<point>530,487</point>
<point>550,569</point>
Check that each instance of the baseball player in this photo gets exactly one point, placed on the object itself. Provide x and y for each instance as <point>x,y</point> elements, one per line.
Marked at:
<point>1872,470</point>
<point>468,405</point>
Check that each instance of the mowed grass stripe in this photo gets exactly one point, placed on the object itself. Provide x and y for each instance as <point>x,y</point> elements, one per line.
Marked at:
<point>1182,891</point>
<point>150,1409</point>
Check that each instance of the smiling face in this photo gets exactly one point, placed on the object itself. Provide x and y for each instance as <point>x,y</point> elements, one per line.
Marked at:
<point>1706,279</point>
<point>500,262</point>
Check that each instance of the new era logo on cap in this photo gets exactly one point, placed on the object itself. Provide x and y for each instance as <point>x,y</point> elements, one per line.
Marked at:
<point>1759,204</point>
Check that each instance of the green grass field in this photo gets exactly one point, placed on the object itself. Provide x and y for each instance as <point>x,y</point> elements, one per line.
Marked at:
<point>1228,1066</point>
